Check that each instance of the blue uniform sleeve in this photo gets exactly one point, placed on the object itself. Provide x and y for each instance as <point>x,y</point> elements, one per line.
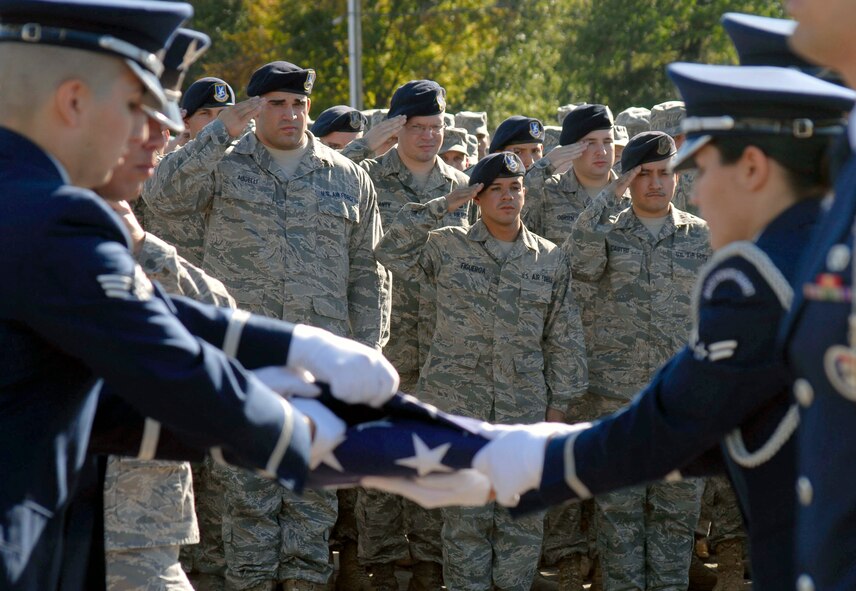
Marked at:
<point>729,371</point>
<point>86,296</point>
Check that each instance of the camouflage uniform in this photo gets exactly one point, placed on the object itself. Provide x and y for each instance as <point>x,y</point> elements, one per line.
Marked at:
<point>149,505</point>
<point>507,345</point>
<point>298,248</point>
<point>383,519</point>
<point>645,534</point>
<point>553,203</point>
<point>684,192</point>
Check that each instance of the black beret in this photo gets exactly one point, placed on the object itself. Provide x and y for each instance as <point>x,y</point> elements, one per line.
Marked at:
<point>339,118</point>
<point>281,77</point>
<point>499,165</point>
<point>418,98</point>
<point>207,93</point>
<point>517,130</point>
<point>583,120</point>
<point>648,146</point>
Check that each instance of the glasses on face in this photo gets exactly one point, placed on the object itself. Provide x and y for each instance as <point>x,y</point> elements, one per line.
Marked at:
<point>422,129</point>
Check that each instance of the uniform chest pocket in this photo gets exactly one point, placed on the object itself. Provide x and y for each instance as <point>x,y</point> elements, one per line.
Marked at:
<point>536,292</point>
<point>245,189</point>
<point>339,206</point>
<point>625,265</point>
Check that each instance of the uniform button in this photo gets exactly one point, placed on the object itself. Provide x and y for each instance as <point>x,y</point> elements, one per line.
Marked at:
<point>805,492</point>
<point>803,392</point>
<point>805,583</point>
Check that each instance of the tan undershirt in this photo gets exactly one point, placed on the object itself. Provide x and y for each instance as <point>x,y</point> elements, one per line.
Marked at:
<point>654,225</point>
<point>288,160</point>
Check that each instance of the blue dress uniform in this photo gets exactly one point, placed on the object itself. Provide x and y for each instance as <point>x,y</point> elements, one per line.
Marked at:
<point>77,313</point>
<point>724,400</point>
<point>820,333</point>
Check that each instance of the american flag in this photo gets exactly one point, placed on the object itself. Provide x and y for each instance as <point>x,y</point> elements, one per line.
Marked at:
<point>403,438</point>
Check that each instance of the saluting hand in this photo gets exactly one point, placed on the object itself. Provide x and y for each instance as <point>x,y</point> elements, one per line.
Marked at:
<point>384,135</point>
<point>236,117</point>
<point>138,235</point>
<point>462,195</point>
<point>561,157</point>
<point>623,182</point>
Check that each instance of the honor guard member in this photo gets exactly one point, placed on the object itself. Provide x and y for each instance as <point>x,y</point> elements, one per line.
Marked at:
<point>80,310</point>
<point>150,506</point>
<point>338,126</point>
<point>507,346</point>
<point>820,338</point>
<point>291,225</point>
<point>724,402</point>
<point>412,172</point>
<point>635,119</point>
<point>455,151</point>
<point>642,263</point>
<point>475,122</point>
<point>523,136</point>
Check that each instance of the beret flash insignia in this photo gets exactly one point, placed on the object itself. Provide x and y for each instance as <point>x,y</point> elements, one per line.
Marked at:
<point>664,146</point>
<point>221,95</point>
<point>310,80</point>
<point>511,163</point>
<point>536,130</point>
<point>441,101</point>
<point>356,120</point>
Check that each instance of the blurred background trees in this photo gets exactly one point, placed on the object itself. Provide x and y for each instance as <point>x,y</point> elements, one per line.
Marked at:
<point>504,56</point>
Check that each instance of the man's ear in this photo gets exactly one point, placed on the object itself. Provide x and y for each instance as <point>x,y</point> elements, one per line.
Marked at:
<point>308,104</point>
<point>753,168</point>
<point>71,99</point>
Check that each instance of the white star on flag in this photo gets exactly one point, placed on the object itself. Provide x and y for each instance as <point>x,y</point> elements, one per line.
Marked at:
<point>426,460</point>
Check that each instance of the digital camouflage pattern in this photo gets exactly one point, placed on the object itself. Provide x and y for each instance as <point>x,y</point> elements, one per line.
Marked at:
<point>719,507</point>
<point>298,248</point>
<point>271,534</point>
<point>553,203</point>
<point>415,534</point>
<point>507,340</point>
<point>644,288</point>
<point>507,345</point>
<point>301,249</point>
<point>382,519</point>
<point>684,192</point>
<point>484,546</point>
<point>154,568</point>
<point>161,262</point>
<point>396,187</point>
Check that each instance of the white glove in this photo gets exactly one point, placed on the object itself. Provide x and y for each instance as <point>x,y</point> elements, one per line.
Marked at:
<point>514,460</point>
<point>357,374</point>
<point>329,429</point>
<point>467,488</point>
<point>286,382</point>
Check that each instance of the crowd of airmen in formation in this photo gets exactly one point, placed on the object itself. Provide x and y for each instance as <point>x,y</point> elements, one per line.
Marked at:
<point>556,275</point>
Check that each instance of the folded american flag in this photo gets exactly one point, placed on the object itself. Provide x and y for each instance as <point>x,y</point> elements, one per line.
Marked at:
<point>403,438</point>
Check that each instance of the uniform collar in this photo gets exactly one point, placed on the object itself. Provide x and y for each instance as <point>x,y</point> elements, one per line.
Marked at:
<point>391,165</point>
<point>317,155</point>
<point>478,232</point>
<point>571,184</point>
<point>627,218</point>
